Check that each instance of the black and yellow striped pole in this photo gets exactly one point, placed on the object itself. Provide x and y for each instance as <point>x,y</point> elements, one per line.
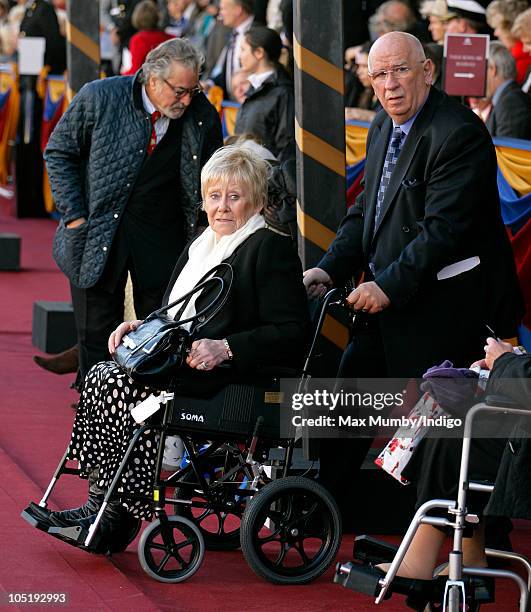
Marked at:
<point>83,43</point>
<point>320,134</point>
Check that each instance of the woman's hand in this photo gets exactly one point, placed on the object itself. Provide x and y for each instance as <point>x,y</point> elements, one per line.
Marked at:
<point>124,328</point>
<point>495,348</point>
<point>206,354</point>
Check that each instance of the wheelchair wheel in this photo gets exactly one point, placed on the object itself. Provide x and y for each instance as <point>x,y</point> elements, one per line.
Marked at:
<point>291,531</point>
<point>171,555</point>
<point>220,529</point>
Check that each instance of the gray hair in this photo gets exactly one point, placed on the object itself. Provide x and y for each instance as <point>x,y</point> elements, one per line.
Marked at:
<point>502,58</point>
<point>159,61</point>
<point>241,164</point>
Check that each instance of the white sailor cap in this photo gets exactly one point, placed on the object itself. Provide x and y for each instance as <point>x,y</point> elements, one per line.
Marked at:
<point>468,9</point>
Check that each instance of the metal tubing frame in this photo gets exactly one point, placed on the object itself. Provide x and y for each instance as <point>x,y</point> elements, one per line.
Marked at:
<point>497,573</point>
<point>456,569</point>
<point>58,471</point>
<point>114,483</point>
<point>419,518</point>
<point>512,556</point>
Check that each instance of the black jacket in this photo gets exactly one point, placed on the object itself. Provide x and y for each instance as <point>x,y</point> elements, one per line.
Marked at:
<point>40,20</point>
<point>93,158</point>
<point>265,319</point>
<point>269,113</point>
<point>511,377</point>
<point>511,115</point>
<point>441,207</point>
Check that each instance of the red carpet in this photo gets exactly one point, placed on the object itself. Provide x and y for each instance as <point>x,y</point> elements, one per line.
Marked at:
<point>36,420</point>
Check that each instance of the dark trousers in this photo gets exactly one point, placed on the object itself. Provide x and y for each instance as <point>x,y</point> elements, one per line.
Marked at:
<point>341,459</point>
<point>99,310</point>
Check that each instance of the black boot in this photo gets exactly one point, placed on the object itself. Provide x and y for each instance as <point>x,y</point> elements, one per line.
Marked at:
<point>89,508</point>
<point>115,531</point>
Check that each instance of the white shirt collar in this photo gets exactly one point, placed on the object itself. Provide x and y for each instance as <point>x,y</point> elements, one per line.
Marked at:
<point>244,26</point>
<point>257,80</point>
<point>188,11</point>
<point>148,104</point>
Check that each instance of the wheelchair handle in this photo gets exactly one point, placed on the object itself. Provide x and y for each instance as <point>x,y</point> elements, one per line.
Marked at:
<point>339,294</point>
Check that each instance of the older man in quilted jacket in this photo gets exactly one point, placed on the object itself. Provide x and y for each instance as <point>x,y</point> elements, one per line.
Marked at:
<point>124,163</point>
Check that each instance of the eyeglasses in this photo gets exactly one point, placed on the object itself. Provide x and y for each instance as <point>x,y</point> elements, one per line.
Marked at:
<point>400,72</point>
<point>180,92</point>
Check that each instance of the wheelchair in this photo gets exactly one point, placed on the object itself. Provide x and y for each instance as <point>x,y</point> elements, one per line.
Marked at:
<point>463,586</point>
<point>237,487</point>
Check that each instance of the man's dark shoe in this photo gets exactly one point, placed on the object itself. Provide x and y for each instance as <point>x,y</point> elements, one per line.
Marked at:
<point>62,363</point>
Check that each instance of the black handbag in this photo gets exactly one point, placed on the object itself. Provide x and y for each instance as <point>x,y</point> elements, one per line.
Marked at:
<point>153,354</point>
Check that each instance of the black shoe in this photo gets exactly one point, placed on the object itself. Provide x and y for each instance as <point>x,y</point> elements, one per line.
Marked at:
<point>69,517</point>
<point>113,534</point>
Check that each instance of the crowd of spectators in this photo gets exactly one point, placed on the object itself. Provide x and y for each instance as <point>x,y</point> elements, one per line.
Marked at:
<point>506,106</point>
<point>218,28</point>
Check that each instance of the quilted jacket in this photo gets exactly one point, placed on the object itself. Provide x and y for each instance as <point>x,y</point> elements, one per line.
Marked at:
<point>93,158</point>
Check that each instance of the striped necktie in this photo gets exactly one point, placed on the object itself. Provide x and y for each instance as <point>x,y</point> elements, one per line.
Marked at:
<point>393,151</point>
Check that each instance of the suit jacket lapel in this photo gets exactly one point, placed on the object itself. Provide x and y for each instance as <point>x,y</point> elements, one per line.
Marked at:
<point>406,155</point>
<point>373,173</point>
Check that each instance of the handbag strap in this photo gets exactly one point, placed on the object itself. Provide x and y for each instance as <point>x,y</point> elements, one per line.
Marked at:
<point>216,303</point>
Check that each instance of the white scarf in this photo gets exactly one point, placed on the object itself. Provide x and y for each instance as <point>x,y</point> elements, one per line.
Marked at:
<point>205,253</point>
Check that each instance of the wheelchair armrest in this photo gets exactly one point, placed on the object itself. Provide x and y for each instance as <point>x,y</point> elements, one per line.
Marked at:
<point>502,401</point>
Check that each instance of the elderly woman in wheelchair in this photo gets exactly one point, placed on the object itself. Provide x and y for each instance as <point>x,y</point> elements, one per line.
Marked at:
<point>444,473</point>
<point>263,325</point>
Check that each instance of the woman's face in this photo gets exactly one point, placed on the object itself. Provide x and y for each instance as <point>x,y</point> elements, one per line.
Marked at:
<point>505,37</point>
<point>362,69</point>
<point>437,28</point>
<point>228,207</point>
<point>249,62</point>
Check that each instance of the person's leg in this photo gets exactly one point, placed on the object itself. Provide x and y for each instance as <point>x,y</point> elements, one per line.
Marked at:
<point>474,548</point>
<point>146,300</point>
<point>421,557</point>
<point>96,312</point>
<point>341,459</point>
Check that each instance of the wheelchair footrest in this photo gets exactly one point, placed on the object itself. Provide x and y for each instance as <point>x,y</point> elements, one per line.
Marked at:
<point>359,578</point>
<point>371,550</point>
<point>364,578</point>
<point>74,535</point>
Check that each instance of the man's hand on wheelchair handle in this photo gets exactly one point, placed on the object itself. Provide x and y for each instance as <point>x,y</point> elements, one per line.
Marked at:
<point>317,282</point>
<point>368,297</point>
<point>124,328</point>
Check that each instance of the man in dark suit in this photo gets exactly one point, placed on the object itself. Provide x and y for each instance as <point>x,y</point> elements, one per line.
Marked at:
<point>511,107</point>
<point>237,15</point>
<point>39,20</point>
<point>124,164</point>
<point>426,232</point>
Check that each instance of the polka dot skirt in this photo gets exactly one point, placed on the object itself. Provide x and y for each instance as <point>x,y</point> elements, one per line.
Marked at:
<point>103,429</point>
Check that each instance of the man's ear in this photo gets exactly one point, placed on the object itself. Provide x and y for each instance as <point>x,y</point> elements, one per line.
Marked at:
<point>429,71</point>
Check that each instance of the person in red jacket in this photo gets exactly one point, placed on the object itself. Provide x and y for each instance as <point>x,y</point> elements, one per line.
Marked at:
<point>146,19</point>
<point>501,16</point>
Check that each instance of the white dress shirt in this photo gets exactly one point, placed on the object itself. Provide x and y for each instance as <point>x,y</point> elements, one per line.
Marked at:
<point>162,123</point>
